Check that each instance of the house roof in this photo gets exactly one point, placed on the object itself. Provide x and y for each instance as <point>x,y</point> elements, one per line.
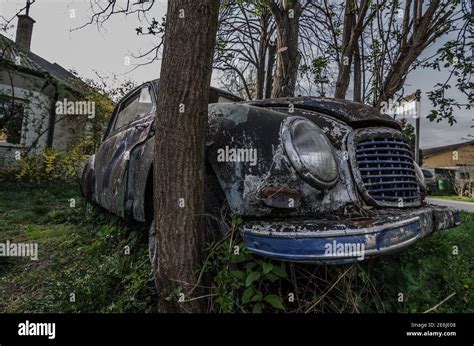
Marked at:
<point>33,63</point>
<point>436,150</point>
<point>10,52</point>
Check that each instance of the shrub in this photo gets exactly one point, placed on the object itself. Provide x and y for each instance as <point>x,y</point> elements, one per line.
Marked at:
<point>49,164</point>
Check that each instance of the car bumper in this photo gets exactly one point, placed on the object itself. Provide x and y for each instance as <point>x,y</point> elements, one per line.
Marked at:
<point>345,241</point>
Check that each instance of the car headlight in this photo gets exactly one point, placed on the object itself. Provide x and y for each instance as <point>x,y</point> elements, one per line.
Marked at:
<point>419,175</point>
<point>310,151</point>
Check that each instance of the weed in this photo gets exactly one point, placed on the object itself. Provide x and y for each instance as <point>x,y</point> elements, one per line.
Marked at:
<point>90,261</point>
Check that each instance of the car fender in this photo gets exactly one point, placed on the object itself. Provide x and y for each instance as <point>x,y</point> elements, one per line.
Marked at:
<point>243,126</point>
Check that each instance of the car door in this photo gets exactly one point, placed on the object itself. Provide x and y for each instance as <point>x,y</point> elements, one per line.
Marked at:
<point>129,127</point>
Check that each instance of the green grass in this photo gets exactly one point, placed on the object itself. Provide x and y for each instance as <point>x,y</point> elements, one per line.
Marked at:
<point>82,253</point>
<point>452,197</point>
<point>436,267</point>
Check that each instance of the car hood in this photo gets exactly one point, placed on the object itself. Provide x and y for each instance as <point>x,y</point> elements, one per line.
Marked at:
<point>355,114</point>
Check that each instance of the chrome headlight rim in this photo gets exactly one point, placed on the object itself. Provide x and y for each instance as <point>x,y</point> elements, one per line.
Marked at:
<point>294,157</point>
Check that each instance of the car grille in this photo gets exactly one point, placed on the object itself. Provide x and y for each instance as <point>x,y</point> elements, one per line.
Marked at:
<point>387,171</point>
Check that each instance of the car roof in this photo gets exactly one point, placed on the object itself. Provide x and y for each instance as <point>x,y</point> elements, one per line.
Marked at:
<point>215,93</point>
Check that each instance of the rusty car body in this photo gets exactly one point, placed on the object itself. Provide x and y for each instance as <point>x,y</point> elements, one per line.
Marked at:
<point>328,172</point>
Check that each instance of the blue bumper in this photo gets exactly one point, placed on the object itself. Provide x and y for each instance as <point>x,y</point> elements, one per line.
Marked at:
<point>346,241</point>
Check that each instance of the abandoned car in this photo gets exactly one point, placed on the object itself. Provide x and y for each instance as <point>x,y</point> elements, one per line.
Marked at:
<point>314,179</point>
<point>430,181</point>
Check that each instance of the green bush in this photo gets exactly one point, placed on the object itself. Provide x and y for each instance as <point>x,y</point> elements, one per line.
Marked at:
<point>49,164</point>
<point>240,281</point>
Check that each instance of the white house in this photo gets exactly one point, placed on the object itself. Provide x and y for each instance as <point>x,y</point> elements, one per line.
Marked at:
<point>30,87</point>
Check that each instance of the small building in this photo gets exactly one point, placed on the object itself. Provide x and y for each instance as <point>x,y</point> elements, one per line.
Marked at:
<point>30,88</point>
<point>453,163</point>
<point>449,156</point>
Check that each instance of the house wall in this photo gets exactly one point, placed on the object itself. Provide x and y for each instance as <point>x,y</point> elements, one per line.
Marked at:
<point>8,152</point>
<point>27,90</point>
<point>68,127</point>
<point>465,157</point>
<point>38,97</point>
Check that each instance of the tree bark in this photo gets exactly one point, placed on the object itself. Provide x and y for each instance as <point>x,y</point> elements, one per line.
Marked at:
<point>287,16</point>
<point>179,160</point>
<point>344,65</point>
<point>262,54</point>
<point>357,75</point>
<point>410,49</point>
<point>351,33</point>
<point>269,71</point>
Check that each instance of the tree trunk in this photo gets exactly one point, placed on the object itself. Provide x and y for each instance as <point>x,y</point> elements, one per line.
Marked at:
<point>262,53</point>
<point>288,58</point>
<point>351,33</point>
<point>345,64</point>
<point>409,51</point>
<point>357,75</point>
<point>269,72</point>
<point>179,161</point>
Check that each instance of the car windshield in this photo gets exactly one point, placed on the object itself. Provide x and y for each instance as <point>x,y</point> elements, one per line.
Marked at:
<point>427,173</point>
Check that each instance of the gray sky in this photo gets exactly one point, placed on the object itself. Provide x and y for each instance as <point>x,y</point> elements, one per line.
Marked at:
<point>106,51</point>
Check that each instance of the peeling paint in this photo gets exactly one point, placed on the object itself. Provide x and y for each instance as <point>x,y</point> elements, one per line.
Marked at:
<point>236,114</point>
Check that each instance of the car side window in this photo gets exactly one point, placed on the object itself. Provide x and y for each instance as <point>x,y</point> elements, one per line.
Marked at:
<point>135,107</point>
<point>144,102</point>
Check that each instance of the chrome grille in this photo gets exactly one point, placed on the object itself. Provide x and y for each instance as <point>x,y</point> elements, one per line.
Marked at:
<point>387,170</point>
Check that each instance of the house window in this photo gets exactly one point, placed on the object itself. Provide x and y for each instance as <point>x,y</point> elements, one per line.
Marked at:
<point>11,120</point>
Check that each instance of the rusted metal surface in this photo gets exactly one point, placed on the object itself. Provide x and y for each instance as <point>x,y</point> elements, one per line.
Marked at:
<point>269,193</point>
<point>251,127</point>
<point>353,113</point>
<point>281,197</point>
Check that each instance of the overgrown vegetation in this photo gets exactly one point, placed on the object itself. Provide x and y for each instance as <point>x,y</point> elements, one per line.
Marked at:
<point>48,165</point>
<point>83,264</point>
<point>90,261</point>
<point>414,280</point>
<point>240,281</point>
